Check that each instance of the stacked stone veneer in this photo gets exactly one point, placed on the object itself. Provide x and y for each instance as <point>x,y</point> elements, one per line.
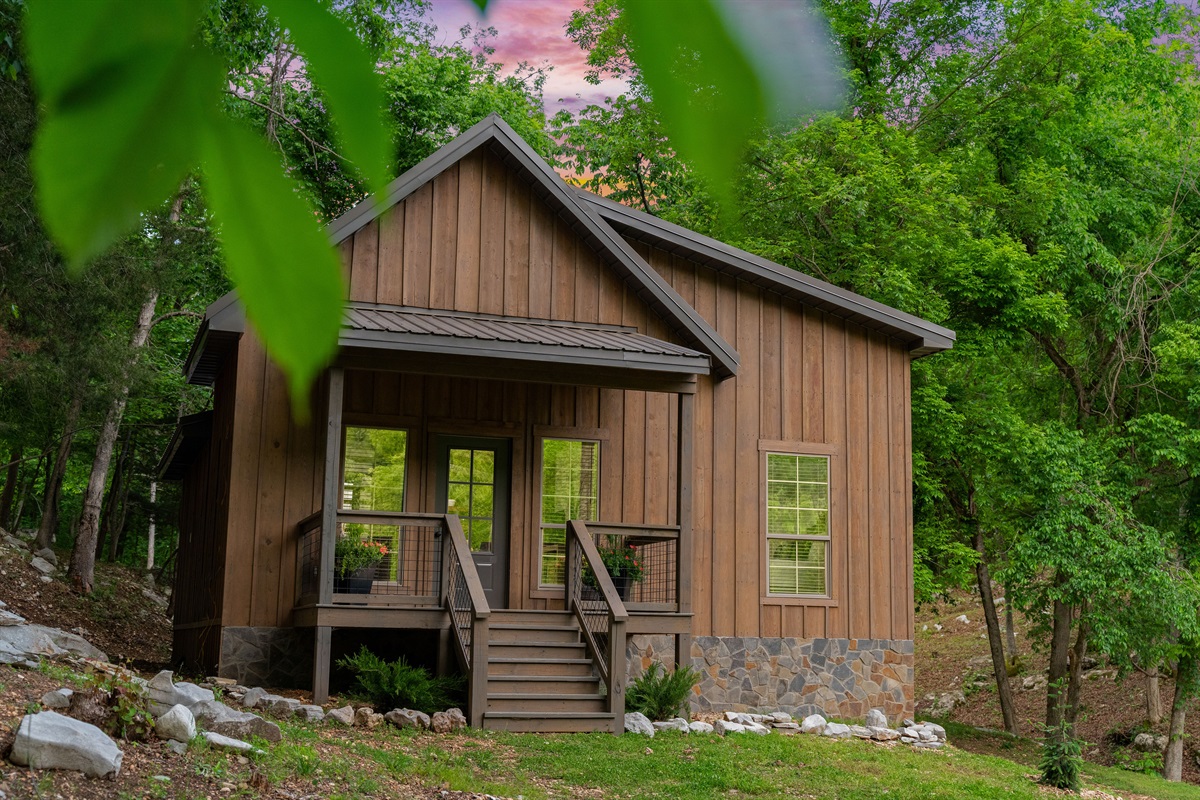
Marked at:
<point>267,656</point>
<point>834,677</point>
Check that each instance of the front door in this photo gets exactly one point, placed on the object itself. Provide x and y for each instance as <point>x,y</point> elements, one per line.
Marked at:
<point>473,482</point>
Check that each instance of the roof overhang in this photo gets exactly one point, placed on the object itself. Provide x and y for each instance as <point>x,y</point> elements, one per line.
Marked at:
<point>922,337</point>
<point>191,434</point>
<point>223,324</point>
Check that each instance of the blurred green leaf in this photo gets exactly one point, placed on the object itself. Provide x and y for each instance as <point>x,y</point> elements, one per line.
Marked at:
<point>126,91</point>
<point>342,67</point>
<point>288,277</point>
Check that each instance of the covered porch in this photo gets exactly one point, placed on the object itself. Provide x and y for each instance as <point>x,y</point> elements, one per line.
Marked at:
<point>478,545</point>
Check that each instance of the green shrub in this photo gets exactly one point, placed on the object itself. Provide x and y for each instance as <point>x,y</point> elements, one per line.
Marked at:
<point>1145,763</point>
<point>397,684</point>
<point>660,694</point>
<point>1061,758</point>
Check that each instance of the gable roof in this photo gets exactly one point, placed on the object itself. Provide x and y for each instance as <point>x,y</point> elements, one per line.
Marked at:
<point>923,337</point>
<point>495,133</point>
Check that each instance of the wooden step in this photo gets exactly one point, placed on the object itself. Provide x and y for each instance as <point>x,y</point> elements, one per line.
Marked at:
<point>576,703</point>
<point>507,633</point>
<point>530,618</point>
<point>540,684</point>
<point>537,650</point>
<point>547,667</point>
<point>547,722</point>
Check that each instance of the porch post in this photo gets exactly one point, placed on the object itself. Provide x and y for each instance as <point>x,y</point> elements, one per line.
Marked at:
<point>683,514</point>
<point>330,500</point>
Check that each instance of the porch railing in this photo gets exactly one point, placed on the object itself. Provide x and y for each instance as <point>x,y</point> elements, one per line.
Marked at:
<point>469,611</point>
<point>593,599</point>
<point>656,549</point>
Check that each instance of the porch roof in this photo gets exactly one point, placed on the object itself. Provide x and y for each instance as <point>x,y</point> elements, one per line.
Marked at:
<point>512,342</point>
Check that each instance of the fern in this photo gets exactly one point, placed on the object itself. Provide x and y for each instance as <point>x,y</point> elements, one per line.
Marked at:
<point>398,684</point>
<point>660,694</point>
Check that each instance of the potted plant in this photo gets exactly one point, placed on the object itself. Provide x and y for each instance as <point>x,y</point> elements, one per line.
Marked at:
<point>355,560</point>
<point>623,562</point>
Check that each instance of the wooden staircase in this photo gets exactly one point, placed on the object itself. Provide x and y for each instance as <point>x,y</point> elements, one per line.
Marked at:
<point>540,676</point>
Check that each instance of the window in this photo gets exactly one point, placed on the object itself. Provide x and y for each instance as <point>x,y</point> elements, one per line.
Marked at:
<point>570,490</point>
<point>373,471</point>
<point>797,524</point>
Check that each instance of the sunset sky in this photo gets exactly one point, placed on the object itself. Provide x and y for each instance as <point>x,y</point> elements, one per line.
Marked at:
<point>533,31</point>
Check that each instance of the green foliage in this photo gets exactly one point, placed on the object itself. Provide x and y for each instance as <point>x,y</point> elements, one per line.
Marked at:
<point>1062,756</point>
<point>396,684</point>
<point>1132,760</point>
<point>352,553</point>
<point>660,694</point>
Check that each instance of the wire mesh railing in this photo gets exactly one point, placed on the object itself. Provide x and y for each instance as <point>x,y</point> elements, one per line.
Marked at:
<point>593,598</point>
<point>308,557</point>
<point>458,598</point>
<point>643,562</point>
<point>403,559</point>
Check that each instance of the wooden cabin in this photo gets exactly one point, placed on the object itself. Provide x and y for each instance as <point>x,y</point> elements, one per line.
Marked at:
<point>536,388</point>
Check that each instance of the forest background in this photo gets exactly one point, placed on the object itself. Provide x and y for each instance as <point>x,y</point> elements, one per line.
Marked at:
<point>1021,172</point>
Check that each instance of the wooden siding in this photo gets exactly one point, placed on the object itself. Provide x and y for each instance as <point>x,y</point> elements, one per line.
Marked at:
<point>477,239</point>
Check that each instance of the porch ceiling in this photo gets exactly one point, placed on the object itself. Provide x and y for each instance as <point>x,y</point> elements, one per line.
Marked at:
<point>516,347</point>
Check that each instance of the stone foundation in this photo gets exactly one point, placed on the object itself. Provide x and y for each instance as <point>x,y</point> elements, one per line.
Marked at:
<point>276,657</point>
<point>834,677</point>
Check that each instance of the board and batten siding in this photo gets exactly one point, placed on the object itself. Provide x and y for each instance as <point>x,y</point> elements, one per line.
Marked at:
<point>478,239</point>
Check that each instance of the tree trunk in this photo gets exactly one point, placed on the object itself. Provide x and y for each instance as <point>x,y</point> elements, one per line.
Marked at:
<point>1185,692</point>
<point>1075,682</point>
<point>54,478</point>
<point>1154,710</point>
<point>83,558</point>
<point>151,530</point>
<point>1009,631</point>
<point>26,488</point>
<point>11,477</point>
<point>116,545</point>
<point>999,668</point>
<point>1060,648</point>
<point>113,508</point>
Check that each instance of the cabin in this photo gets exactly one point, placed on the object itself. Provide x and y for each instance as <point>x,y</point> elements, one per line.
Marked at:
<point>561,440</point>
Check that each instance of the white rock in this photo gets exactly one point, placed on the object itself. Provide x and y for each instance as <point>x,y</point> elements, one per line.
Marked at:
<point>51,741</point>
<point>227,743</point>
<point>222,719</point>
<point>813,723</point>
<point>860,732</point>
<point>310,713</point>
<point>47,554</point>
<point>780,716</point>
<point>9,618</point>
<point>929,745</point>
<point>178,748</point>
<point>927,735</point>
<point>674,724</point>
<point>639,723</point>
<point>280,707</point>
<point>45,578</point>
<point>407,718</point>
<point>836,730</point>
<point>344,715</point>
<point>963,619</point>
<point>884,734</point>
<point>178,724</point>
<point>59,698</point>
<point>908,739</point>
<point>936,730</point>
<point>876,718</point>
<point>700,727</point>
<point>937,626</point>
<point>758,728</point>
<point>163,692</point>
<point>31,642</point>
<point>42,565</point>
<point>724,726</point>
<point>252,696</point>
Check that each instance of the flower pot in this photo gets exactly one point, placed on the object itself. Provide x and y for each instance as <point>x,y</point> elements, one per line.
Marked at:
<point>357,582</point>
<point>622,584</point>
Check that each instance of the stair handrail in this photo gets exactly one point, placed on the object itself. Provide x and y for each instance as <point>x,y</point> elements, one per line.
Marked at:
<point>605,644</point>
<point>468,608</point>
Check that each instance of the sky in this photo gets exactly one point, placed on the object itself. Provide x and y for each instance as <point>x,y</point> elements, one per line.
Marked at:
<point>533,31</point>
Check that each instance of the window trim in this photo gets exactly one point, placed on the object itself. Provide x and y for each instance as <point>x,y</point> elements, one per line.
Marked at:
<point>541,434</point>
<point>359,421</point>
<point>834,544</point>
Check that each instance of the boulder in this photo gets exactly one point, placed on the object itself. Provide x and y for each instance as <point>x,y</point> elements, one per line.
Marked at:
<point>758,728</point>
<point>923,745</point>
<point>639,723</point>
<point>876,718</point>
<point>279,707</point>
<point>59,698</point>
<point>163,693</point>
<point>1031,683</point>
<point>9,618</point>
<point>367,718</point>
<point>724,726</point>
<point>52,741</point>
<point>937,730</point>
<point>883,734</point>
<point>220,718</point>
<point>220,742</point>
<point>344,716</point>
<point>178,748</point>
<point>310,713</point>
<point>178,724</point>
<point>941,705</point>
<point>700,727</point>
<point>813,723</point>
<point>447,721</point>
<point>20,643</point>
<point>42,565</point>
<point>836,730</point>
<point>860,732</point>
<point>47,555</point>
<point>674,724</point>
<point>407,718</point>
<point>252,697</point>
<point>780,716</point>
<point>1149,743</point>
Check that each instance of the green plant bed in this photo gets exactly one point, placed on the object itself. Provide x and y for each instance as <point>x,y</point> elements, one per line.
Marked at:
<point>398,684</point>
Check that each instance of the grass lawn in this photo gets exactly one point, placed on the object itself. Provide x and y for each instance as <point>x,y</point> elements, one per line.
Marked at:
<point>669,766</point>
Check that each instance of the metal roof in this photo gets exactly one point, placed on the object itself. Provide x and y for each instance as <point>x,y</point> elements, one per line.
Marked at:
<point>422,330</point>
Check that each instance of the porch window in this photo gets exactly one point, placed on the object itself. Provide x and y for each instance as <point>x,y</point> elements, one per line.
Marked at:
<point>797,524</point>
<point>570,490</point>
<point>373,472</point>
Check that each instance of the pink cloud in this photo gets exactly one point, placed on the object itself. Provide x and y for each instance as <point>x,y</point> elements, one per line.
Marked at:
<point>532,31</point>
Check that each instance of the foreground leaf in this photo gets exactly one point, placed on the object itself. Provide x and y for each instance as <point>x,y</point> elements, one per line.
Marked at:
<point>288,277</point>
<point>127,89</point>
